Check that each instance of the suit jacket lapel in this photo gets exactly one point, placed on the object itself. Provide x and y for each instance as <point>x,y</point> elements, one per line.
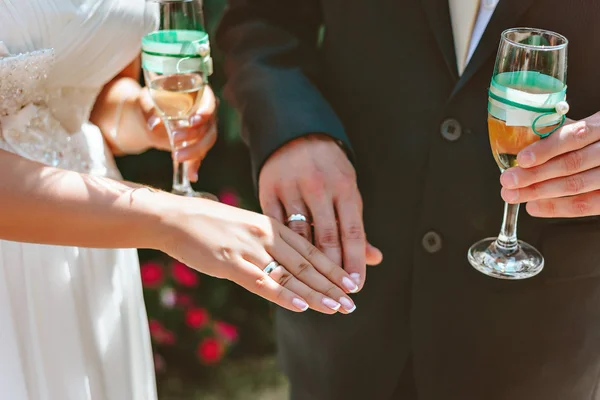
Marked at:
<point>438,13</point>
<point>506,15</point>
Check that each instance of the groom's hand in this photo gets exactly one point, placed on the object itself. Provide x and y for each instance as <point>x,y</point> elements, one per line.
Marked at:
<point>559,176</point>
<point>312,176</point>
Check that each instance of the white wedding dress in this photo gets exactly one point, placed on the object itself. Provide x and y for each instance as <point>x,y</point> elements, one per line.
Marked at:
<point>73,324</point>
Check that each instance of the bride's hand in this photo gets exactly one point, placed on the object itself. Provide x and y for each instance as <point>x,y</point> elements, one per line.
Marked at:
<point>193,142</point>
<point>125,113</point>
<point>237,245</point>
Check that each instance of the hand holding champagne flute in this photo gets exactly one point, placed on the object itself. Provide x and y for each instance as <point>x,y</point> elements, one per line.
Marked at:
<point>176,62</point>
<point>526,104</point>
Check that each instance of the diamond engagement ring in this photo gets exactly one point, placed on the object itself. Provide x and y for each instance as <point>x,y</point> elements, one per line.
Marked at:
<point>297,217</point>
<point>270,267</point>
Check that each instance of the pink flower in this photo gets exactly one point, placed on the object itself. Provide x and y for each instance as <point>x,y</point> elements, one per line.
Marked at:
<point>156,327</point>
<point>183,300</point>
<point>196,317</point>
<point>227,331</point>
<point>210,351</point>
<point>184,275</point>
<point>159,363</point>
<point>168,338</point>
<point>160,334</point>
<point>229,197</point>
<point>152,274</point>
<point>156,331</point>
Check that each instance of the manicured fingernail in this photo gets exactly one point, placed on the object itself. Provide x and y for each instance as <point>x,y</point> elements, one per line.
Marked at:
<point>355,277</point>
<point>509,179</point>
<point>153,121</point>
<point>300,304</point>
<point>526,159</point>
<point>348,304</point>
<point>196,120</point>
<point>178,136</point>
<point>349,285</point>
<point>334,305</point>
<point>194,177</point>
<point>510,196</point>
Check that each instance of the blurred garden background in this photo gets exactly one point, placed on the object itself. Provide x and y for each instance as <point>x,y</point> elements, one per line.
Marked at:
<point>211,339</point>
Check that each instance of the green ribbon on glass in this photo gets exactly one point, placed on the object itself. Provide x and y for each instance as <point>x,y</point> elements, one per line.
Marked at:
<point>528,98</point>
<point>170,52</point>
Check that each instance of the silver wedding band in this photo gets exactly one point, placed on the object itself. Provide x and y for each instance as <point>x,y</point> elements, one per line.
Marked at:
<point>271,267</point>
<point>297,217</point>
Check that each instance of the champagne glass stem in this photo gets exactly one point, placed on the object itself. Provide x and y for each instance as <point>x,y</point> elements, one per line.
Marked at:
<point>181,182</point>
<point>507,239</point>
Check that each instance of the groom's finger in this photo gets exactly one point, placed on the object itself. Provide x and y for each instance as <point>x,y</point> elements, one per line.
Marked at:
<point>271,206</point>
<point>294,206</point>
<point>349,210</point>
<point>327,236</point>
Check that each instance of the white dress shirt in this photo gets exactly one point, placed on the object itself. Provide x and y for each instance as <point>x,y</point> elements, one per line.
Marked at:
<point>469,20</point>
<point>486,9</point>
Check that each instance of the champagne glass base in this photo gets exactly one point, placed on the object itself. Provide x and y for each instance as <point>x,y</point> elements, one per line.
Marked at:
<point>193,193</point>
<point>488,257</point>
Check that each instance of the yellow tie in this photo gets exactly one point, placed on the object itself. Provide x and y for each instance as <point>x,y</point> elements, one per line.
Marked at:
<point>463,14</point>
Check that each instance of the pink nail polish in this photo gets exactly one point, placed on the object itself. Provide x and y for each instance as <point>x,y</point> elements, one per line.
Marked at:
<point>177,134</point>
<point>355,277</point>
<point>196,120</point>
<point>330,303</point>
<point>300,304</point>
<point>349,285</point>
<point>153,121</point>
<point>347,304</point>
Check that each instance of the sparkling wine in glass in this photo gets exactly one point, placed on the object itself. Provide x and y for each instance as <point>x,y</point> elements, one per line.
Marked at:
<point>176,62</point>
<point>526,103</point>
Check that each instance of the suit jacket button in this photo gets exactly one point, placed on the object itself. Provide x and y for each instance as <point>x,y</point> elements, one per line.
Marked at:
<point>451,130</point>
<point>432,242</point>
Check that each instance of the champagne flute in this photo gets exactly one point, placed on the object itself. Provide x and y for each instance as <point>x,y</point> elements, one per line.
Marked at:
<point>176,62</point>
<point>526,103</point>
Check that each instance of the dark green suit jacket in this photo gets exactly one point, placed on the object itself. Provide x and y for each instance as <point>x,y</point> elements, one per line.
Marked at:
<point>384,81</point>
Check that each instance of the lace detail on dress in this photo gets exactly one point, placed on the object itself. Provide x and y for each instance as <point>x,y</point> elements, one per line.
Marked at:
<point>22,78</point>
<point>38,122</point>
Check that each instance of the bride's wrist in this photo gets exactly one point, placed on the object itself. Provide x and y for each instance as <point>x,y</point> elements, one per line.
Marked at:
<point>175,213</point>
<point>153,225</point>
<point>167,214</point>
